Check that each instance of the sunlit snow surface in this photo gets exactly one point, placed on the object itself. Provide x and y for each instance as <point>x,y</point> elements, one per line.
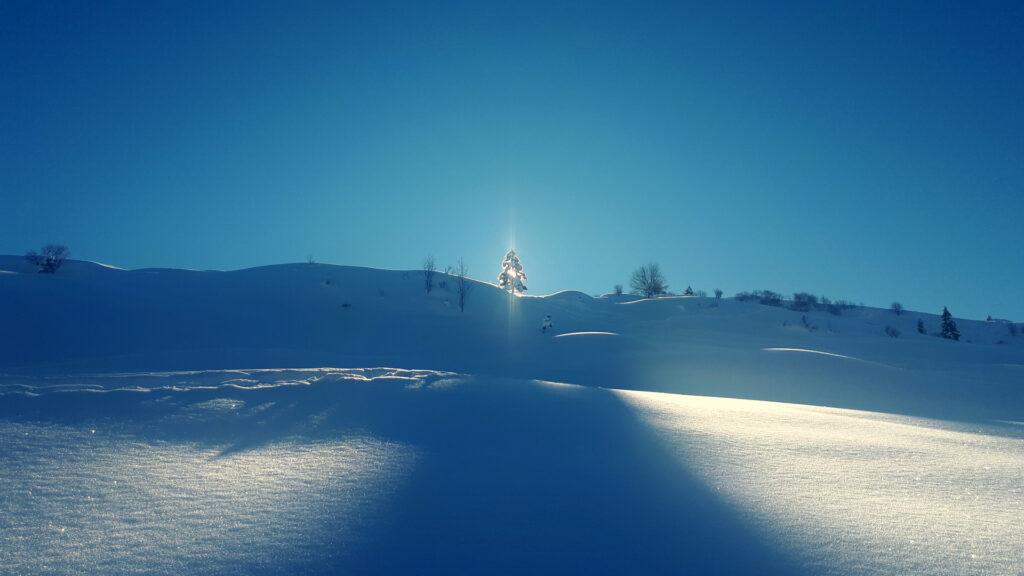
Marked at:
<point>399,471</point>
<point>109,498</point>
<point>857,492</point>
<point>84,503</point>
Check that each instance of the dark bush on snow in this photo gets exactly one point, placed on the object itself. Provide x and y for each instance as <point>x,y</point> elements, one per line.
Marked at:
<point>804,301</point>
<point>807,324</point>
<point>49,259</point>
<point>768,298</point>
<point>835,308</point>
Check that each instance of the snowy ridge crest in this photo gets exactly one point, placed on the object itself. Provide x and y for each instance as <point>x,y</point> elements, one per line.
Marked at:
<point>181,381</point>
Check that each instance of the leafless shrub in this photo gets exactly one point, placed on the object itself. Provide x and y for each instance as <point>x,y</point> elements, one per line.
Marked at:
<point>807,324</point>
<point>804,301</point>
<point>49,259</point>
<point>768,298</point>
<point>463,285</point>
<point>429,269</point>
<point>836,308</point>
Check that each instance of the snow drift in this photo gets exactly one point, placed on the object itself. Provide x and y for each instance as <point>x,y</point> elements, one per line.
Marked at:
<point>385,471</point>
<point>174,421</point>
<point>95,318</point>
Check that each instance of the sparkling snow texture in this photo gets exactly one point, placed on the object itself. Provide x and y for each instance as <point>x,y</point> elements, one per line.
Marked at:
<point>385,471</point>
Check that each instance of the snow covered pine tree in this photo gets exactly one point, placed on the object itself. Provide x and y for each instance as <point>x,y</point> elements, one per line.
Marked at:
<point>949,329</point>
<point>512,277</point>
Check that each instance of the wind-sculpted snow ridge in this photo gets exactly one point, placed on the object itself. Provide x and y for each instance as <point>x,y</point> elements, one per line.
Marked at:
<point>210,379</point>
<point>806,351</point>
<point>590,333</point>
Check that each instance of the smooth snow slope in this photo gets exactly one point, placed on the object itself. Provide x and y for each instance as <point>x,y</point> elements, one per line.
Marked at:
<point>113,463</point>
<point>94,318</point>
<point>385,471</point>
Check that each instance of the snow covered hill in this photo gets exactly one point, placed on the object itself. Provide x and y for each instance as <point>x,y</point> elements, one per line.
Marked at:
<point>95,318</point>
<point>182,422</point>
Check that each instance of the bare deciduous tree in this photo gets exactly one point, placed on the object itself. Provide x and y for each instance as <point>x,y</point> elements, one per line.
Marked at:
<point>443,282</point>
<point>429,269</point>
<point>49,259</point>
<point>648,281</point>
<point>718,293</point>
<point>897,308</point>
<point>463,285</point>
<point>617,290</point>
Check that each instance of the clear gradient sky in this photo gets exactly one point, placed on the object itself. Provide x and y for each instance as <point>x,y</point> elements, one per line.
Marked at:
<point>864,150</point>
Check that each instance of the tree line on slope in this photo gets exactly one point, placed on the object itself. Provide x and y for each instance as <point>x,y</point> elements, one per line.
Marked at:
<point>648,281</point>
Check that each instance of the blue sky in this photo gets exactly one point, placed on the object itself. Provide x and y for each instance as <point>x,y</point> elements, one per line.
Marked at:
<point>863,150</point>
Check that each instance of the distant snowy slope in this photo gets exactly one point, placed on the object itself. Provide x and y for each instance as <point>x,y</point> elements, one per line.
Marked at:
<point>93,318</point>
